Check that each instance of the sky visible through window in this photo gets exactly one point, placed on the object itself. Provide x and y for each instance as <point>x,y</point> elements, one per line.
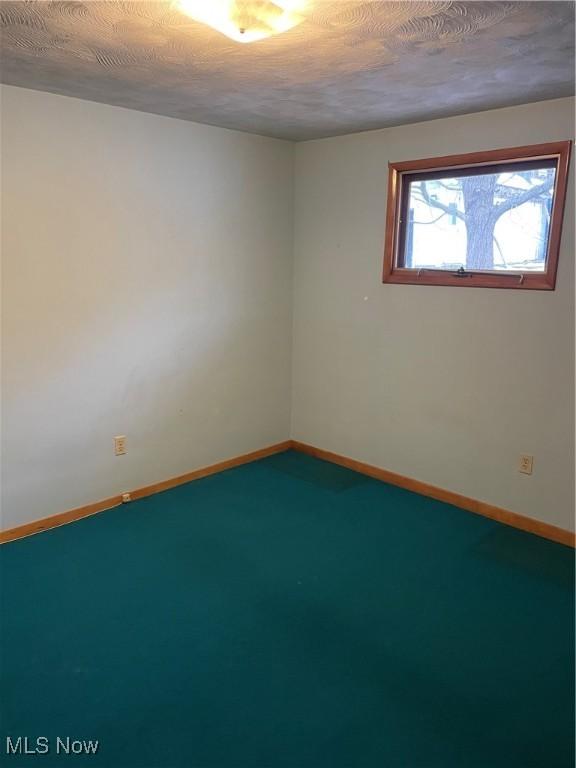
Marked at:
<point>484,222</point>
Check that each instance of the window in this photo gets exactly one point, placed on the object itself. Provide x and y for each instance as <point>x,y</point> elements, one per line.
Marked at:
<point>487,219</point>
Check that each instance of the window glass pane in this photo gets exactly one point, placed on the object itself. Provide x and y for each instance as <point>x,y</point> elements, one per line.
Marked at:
<point>482,222</point>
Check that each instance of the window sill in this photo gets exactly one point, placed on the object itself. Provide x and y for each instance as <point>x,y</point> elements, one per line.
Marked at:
<point>524,282</point>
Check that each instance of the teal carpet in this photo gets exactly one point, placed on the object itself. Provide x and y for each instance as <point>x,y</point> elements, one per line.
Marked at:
<point>290,614</point>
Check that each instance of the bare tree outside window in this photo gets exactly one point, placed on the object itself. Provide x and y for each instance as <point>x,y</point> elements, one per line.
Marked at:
<point>489,219</point>
<point>482,221</point>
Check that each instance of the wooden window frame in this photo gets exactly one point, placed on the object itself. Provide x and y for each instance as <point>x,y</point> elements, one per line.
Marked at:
<point>476,162</point>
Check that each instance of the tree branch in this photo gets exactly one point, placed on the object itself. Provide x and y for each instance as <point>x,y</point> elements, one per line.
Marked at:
<point>497,244</point>
<point>457,188</point>
<point>525,197</point>
<point>430,222</point>
<point>438,204</point>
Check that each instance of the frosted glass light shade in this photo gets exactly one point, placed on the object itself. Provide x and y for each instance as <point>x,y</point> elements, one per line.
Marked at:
<point>245,21</point>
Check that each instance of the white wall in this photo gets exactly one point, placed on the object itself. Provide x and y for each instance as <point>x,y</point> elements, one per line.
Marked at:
<point>146,292</point>
<point>446,385</point>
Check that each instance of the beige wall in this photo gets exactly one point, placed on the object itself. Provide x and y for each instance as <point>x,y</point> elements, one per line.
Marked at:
<point>147,278</point>
<point>146,292</point>
<point>446,385</point>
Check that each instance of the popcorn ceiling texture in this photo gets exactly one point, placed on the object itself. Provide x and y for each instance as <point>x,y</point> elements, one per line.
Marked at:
<point>349,66</point>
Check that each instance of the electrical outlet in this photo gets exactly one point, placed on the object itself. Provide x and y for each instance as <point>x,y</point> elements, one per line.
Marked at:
<point>120,445</point>
<point>526,463</point>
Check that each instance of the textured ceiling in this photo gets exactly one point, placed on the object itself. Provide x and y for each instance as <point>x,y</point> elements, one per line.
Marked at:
<point>349,66</point>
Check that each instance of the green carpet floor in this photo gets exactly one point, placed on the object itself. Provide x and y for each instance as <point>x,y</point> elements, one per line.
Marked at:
<point>290,614</point>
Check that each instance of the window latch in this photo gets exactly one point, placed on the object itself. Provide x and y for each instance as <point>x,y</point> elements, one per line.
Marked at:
<point>461,272</point>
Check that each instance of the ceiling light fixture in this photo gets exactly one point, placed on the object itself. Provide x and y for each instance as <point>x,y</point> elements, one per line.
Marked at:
<point>245,21</point>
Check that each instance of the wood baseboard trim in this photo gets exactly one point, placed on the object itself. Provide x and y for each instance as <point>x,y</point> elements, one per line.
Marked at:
<point>62,518</point>
<point>513,519</point>
<point>196,474</point>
